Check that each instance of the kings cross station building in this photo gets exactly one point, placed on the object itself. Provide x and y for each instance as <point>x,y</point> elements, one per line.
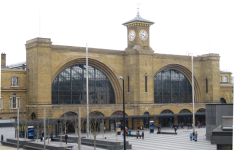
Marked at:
<point>157,87</point>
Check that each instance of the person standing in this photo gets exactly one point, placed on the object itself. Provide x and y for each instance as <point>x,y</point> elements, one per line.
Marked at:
<point>66,137</point>
<point>193,135</point>
<point>142,134</point>
<point>196,135</point>
<point>2,138</point>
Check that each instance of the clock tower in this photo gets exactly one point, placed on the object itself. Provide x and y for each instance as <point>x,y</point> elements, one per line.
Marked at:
<point>138,33</point>
<point>138,62</point>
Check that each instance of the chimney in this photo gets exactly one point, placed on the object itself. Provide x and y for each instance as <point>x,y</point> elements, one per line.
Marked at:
<point>3,59</point>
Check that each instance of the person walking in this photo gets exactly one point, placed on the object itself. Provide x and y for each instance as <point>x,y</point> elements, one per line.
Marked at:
<point>175,129</point>
<point>191,136</point>
<point>142,134</point>
<point>196,135</point>
<point>2,138</point>
<point>66,137</point>
<point>42,138</point>
<point>137,133</point>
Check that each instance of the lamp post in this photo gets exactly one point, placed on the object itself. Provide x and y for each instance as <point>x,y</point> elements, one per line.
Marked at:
<point>124,118</point>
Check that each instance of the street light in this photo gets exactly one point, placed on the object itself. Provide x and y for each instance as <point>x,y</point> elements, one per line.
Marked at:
<point>124,119</point>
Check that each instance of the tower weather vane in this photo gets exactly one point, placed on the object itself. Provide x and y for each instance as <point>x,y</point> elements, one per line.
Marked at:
<point>138,9</point>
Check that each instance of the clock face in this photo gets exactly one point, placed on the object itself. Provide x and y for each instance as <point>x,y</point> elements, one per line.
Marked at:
<point>131,35</point>
<point>143,35</point>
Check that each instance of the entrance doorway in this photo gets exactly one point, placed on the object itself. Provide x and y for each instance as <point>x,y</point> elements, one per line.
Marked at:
<point>166,121</point>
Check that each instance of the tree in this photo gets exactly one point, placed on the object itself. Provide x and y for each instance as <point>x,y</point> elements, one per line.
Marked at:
<point>95,121</point>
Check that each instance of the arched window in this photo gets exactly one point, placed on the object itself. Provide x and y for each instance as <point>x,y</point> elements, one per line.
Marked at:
<point>167,111</point>
<point>172,86</point>
<point>69,87</point>
<point>201,110</point>
<point>185,111</point>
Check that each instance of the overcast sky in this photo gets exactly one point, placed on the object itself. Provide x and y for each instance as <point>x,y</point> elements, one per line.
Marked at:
<point>181,26</point>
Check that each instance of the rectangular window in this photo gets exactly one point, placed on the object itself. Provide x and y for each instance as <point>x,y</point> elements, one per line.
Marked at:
<point>220,79</point>
<point>14,81</point>
<point>128,84</point>
<point>0,103</point>
<point>146,84</point>
<point>206,86</point>
<point>225,79</point>
<point>14,102</point>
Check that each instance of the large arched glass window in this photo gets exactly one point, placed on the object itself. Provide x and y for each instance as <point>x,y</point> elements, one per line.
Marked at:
<point>69,87</point>
<point>171,86</point>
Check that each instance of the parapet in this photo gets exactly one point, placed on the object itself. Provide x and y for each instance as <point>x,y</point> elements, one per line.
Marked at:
<point>41,40</point>
<point>209,55</point>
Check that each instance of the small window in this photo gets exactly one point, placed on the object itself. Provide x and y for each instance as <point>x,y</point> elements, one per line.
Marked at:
<point>128,84</point>
<point>146,84</point>
<point>225,79</point>
<point>0,103</point>
<point>206,86</point>
<point>14,81</point>
<point>220,79</point>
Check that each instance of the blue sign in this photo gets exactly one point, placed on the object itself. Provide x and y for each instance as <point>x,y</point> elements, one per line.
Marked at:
<point>118,128</point>
<point>151,126</point>
<point>30,132</point>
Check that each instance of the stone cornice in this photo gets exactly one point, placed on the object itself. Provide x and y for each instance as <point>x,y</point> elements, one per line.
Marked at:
<point>138,23</point>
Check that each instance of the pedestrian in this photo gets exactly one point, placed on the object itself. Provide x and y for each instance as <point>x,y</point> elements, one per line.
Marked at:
<point>142,134</point>
<point>159,127</point>
<point>137,133</point>
<point>190,135</point>
<point>173,126</point>
<point>42,138</point>
<point>198,125</point>
<point>196,135</point>
<point>175,129</point>
<point>129,132</point>
<point>66,137</point>
<point>104,129</point>
<point>169,124</point>
<point>2,138</point>
<point>193,135</point>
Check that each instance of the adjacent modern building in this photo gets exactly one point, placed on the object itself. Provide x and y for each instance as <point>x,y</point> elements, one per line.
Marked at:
<point>157,86</point>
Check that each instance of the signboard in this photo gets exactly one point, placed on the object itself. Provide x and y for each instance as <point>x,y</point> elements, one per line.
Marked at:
<point>118,128</point>
<point>151,126</point>
<point>30,132</point>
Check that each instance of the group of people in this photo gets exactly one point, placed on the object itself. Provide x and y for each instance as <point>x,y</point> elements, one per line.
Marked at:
<point>181,125</point>
<point>193,136</point>
<point>138,134</point>
<point>200,125</point>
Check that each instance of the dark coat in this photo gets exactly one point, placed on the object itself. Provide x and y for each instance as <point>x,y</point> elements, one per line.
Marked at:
<point>66,137</point>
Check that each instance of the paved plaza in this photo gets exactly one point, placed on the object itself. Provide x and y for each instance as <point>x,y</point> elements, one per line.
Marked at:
<point>154,141</point>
